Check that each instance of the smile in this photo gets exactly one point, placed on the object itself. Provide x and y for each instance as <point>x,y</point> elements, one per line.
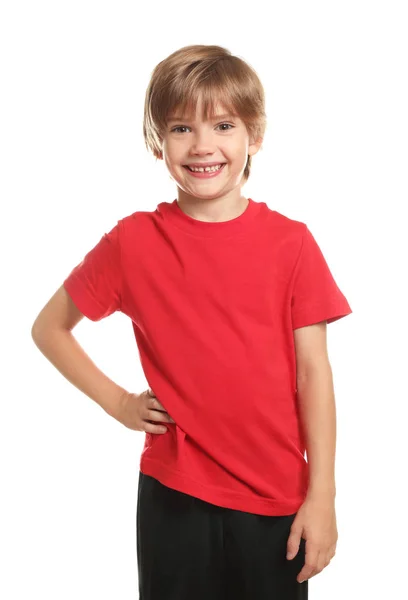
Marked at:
<point>204,174</point>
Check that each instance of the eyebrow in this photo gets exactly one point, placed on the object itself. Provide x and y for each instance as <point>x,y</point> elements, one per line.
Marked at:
<point>212,119</point>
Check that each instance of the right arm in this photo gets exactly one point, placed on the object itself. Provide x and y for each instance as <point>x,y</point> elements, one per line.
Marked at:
<point>52,334</point>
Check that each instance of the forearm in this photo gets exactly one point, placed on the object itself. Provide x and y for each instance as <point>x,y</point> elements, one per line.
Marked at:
<point>61,348</point>
<point>317,411</point>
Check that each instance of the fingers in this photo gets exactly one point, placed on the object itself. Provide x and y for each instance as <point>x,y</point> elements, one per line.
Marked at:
<point>313,560</point>
<point>151,428</point>
<point>155,401</point>
<point>158,415</point>
<point>293,543</point>
<point>155,404</point>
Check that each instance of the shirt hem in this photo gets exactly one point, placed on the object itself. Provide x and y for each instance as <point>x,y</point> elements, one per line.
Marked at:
<point>224,498</point>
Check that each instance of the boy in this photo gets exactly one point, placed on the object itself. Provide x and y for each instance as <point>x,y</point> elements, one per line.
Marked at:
<point>229,302</point>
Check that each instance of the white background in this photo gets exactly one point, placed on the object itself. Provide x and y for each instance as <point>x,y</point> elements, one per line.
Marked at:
<point>73,161</point>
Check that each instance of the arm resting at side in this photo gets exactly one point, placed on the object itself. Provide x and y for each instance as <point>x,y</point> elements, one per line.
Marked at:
<point>316,401</point>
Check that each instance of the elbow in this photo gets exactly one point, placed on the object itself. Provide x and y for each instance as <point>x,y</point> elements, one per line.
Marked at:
<point>34,331</point>
<point>315,370</point>
<point>37,335</point>
<point>41,333</point>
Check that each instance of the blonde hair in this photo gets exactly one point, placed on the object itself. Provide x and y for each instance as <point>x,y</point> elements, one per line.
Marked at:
<point>213,73</point>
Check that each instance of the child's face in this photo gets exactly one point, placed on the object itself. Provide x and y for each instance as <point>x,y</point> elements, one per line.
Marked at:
<point>219,140</point>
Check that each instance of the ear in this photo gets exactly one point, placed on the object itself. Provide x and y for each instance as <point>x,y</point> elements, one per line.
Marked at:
<point>254,147</point>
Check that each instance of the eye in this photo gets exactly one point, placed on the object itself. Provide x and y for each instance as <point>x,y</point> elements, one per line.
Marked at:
<point>185,127</point>
<point>228,125</point>
<point>180,127</point>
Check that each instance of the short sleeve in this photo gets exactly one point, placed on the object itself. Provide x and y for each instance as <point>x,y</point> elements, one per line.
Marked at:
<point>95,283</point>
<point>315,294</point>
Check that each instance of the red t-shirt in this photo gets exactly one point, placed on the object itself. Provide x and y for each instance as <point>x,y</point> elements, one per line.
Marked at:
<point>213,307</point>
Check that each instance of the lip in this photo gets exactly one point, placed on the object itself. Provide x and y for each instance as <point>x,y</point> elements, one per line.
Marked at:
<point>205,174</point>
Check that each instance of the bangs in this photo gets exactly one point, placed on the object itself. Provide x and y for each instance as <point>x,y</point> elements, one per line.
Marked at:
<point>215,100</point>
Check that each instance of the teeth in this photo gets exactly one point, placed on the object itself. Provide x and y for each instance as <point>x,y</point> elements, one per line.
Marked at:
<point>208,169</point>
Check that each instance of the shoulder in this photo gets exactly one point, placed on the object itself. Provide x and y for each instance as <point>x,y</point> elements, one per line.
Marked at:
<point>285,232</point>
<point>139,233</point>
<point>136,218</point>
<point>288,224</point>
<point>282,221</point>
<point>137,221</point>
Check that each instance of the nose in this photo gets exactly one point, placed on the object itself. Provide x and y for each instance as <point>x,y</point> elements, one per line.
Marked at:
<point>202,143</point>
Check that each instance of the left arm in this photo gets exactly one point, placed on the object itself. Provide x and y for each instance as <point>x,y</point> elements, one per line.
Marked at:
<point>315,520</point>
<point>316,401</point>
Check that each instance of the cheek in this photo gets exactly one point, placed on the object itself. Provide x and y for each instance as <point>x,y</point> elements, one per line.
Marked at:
<point>175,159</point>
<point>236,153</point>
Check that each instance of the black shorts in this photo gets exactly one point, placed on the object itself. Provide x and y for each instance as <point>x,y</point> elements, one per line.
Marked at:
<point>188,549</point>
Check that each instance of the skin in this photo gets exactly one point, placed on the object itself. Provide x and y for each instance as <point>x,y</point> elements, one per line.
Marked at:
<point>218,198</point>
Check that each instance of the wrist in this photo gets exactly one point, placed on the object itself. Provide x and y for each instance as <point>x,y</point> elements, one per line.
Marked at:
<point>112,403</point>
<point>321,492</point>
